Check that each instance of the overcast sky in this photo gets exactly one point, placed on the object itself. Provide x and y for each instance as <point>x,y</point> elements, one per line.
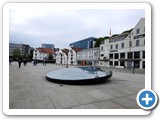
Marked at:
<point>61,27</point>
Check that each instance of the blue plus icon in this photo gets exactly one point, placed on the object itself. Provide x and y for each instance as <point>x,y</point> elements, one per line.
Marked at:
<point>147,99</point>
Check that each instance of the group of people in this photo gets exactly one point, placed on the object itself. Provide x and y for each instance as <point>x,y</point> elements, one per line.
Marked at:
<point>20,62</point>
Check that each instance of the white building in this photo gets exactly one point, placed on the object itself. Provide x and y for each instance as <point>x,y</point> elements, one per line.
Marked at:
<point>62,56</point>
<point>126,49</point>
<point>43,53</point>
<point>72,55</point>
<point>88,56</point>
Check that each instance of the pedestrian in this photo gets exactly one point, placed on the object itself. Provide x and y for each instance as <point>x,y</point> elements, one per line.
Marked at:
<point>19,63</point>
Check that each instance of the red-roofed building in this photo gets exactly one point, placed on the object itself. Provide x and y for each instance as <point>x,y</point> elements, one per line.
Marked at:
<point>43,53</point>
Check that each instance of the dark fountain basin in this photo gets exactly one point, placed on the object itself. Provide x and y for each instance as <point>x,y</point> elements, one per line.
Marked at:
<point>78,75</point>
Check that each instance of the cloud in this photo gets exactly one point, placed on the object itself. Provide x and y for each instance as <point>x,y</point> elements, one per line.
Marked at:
<point>35,26</point>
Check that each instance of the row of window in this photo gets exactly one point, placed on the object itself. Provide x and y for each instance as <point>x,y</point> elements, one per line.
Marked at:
<point>122,37</point>
<point>129,55</point>
<point>122,45</point>
<point>122,63</point>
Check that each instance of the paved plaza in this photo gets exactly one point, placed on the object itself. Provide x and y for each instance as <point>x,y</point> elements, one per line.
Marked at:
<point>29,89</point>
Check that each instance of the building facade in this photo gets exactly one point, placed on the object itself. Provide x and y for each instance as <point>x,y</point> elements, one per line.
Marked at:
<point>42,53</point>
<point>88,57</point>
<point>72,55</point>
<point>85,43</point>
<point>125,50</point>
<point>51,46</point>
<point>62,56</point>
<point>24,49</point>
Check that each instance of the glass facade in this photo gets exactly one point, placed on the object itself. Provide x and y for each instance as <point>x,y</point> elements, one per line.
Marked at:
<point>84,44</point>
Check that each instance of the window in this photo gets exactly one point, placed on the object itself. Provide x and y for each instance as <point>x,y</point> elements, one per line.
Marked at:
<point>102,55</point>
<point>137,42</point>
<point>143,54</point>
<point>102,48</point>
<point>121,63</point>
<point>122,45</point>
<point>130,55</point>
<point>110,56</point>
<point>137,54</point>
<point>136,64</point>
<point>115,63</point>
<point>110,62</point>
<point>116,56</point>
<point>143,66</point>
<point>122,55</point>
<point>137,31</point>
<point>111,47</point>
<point>116,46</point>
<point>130,43</point>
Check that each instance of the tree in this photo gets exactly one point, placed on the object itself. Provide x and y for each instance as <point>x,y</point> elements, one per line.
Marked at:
<point>99,40</point>
<point>16,54</point>
<point>50,57</point>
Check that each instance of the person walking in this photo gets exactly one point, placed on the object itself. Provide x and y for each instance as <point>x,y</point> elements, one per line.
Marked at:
<point>19,63</point>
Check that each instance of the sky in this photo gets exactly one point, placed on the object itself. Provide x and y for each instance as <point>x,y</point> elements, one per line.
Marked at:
<point>36,25</point>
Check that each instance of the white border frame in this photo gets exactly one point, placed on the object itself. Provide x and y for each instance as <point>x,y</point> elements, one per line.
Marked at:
<point>8,111</point>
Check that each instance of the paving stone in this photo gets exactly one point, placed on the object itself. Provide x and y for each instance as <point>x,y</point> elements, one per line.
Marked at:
<point>99,95</point>
<point>46,92</point>
<point>17,104</point>
<point>112,92</point>
<point>124,90</point>
<point>126,102</point>
<point>24,94</point>
<point>84,98</point>
<point>11,95</point>
<point>63,101</point>
<point>29,82</point>
<point>63,90</point>
<point>88,106</point>
<point>39,103</point>
<point>47,84</point>
<point>108,105</point>
<point>133,97</point>
<point>36,84</point>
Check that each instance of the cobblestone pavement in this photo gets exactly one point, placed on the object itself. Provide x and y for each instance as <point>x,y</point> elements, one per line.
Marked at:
<point>29,89</point>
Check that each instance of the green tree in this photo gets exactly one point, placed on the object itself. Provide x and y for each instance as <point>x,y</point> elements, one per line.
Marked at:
<point>50,57</point>
<point>16,54</point>
<point>99,40</point>
<point>30,56</point>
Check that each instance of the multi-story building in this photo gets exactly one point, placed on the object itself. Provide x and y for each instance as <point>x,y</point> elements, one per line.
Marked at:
<point>88,56</point>
<point>42,53</point>
<point>85,43</point>
<point>72,55</point>
<point>125,50</point>
<point>24,49</point>
<point>51,46</point>
<point>62,56</point>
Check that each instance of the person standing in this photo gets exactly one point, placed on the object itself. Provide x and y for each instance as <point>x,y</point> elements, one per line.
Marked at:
<point>19,63</point>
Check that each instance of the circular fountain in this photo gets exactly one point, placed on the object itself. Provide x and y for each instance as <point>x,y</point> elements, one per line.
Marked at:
<point>78,75</point>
